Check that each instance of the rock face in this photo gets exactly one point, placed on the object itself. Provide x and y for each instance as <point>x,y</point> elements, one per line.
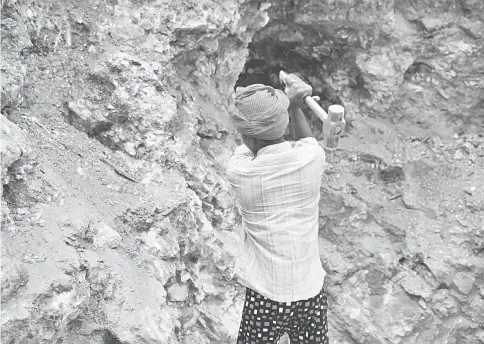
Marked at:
<point>117,222</point>
<point>416,63</point>
<point>109,227</point>
<point>12,145</point>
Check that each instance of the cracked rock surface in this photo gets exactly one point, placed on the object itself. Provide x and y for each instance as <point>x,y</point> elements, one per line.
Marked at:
<point>118,226</point>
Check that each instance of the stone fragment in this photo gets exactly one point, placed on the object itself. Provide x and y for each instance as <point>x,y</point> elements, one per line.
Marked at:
<point>444,304</point>
<point>162,246</point>
<point>105,236</point>
<point>80,171</point>
<point>184,276</point>
<point>12,76</point>
<point>470,190</point>
<point>178,292</point>
<point>464,281</point>
<point>392,174</point>
<point>422,304</point>
<point>473,6</point>
<point>83,118</point>
<point>205,282</point>
<point>468,147</point>
<point>10,97</point>
<point>440,269</point>
<point>382,72</point>
<point>458,155</point>
<point>14,276</point>
<point>130,148</point>
<point>433,23</point>
<point>416,285</point>
<point>12,144</point>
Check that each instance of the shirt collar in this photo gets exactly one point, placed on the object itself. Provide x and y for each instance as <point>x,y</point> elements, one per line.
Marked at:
<point>275,148</point>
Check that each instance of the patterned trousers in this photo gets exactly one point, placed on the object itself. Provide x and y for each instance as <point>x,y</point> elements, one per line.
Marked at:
<point>264,321</point>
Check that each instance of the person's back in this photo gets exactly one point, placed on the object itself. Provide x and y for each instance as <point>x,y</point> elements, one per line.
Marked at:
<point>278,195</point>
<point>277,185</point>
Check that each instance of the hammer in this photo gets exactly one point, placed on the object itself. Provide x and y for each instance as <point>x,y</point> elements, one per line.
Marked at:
<point>333,123</point>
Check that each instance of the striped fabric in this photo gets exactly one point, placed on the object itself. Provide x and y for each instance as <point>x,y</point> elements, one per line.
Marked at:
<point>277,194</point>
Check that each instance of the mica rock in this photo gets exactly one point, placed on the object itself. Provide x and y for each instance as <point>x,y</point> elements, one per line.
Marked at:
<point>162,246</point>
<point>13,79</point>
<point>415,285</point>
<point>444,304</point>
<point>382,72</point>
<point>177,292</point>
<point>105,236</point>
<point>14,277</point>
<point>12,144</point>
<point>205,281</point>
<point>464,281</point>
<point>91,121</point>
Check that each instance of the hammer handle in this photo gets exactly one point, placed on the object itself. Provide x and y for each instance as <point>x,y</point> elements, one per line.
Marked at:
<point>318,110</point>
<point>313,105</point>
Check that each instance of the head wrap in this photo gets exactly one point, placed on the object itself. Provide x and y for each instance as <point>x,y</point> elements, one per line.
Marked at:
<point>262,112</point>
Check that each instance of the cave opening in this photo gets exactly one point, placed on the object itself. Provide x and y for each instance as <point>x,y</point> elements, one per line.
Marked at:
<point>261,68</point>
<point>268,56</point>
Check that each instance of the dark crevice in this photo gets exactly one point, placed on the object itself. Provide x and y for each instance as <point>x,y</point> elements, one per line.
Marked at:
<point>110,338</point>
<point>442,286</point>
<point>418,67</point>
<point>266,71</point>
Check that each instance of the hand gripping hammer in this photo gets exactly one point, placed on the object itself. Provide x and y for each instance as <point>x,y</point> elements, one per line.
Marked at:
<point>333,123</point>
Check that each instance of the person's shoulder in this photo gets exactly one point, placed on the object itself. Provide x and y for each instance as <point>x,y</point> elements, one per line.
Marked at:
<point>309,147</point>
<point>307,142</point>
<point>241,153</point>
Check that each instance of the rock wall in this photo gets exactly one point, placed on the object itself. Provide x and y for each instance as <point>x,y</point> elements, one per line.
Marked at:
<point>117,223</point>
<point>112,210</point>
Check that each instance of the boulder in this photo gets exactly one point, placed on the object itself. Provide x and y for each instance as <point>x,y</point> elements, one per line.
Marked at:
<point>464,281</point>
<point>12,145</point>
<point>177,292</point>
<point>85,117</point>
<point>415,285</point>
<point>105,236</point>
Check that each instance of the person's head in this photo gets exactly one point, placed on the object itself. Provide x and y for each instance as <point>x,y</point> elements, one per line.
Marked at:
<point>262,116</point>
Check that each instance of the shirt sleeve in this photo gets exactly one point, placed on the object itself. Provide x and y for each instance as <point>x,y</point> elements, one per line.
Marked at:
<point>311,145</point>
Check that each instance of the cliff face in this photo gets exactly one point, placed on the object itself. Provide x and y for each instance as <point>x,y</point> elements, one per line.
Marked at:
<point>116,189</point>
<point>118,225</point>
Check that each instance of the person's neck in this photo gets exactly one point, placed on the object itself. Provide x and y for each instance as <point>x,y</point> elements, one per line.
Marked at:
<point>270,143</point>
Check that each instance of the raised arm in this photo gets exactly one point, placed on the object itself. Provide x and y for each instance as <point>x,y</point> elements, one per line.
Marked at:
<point>299,125</point>
<point>296,90</point>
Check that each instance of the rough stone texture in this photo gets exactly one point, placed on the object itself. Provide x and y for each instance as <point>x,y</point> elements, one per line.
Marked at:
<point>418,63</point>
<point>12,146</point>
<point>121,226</point>
<point>464,281</point>
<point>105,236</point>
<point>107,92</point>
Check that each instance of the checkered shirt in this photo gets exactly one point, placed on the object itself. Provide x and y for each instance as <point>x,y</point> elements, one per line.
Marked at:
<point>277,193</point>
